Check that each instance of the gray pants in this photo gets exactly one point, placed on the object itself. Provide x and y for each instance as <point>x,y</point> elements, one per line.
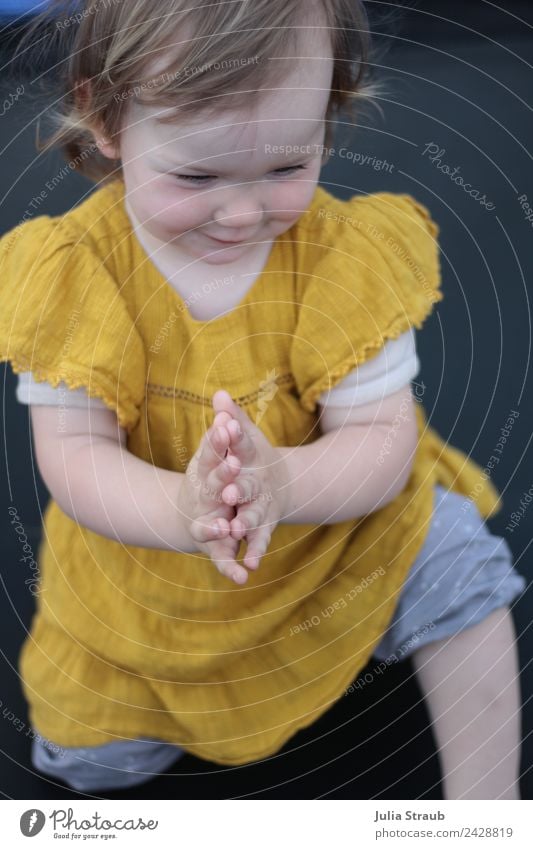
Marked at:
<point>112,766</point>
<point>462,573</point>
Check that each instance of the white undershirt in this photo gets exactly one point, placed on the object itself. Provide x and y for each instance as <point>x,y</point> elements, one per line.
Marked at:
<point>387,372</point>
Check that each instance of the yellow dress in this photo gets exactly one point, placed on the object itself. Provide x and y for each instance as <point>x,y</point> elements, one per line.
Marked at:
<point>128,641</point>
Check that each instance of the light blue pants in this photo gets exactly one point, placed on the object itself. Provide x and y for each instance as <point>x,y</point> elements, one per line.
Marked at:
<point>462,573</point>
<point>112,766</point>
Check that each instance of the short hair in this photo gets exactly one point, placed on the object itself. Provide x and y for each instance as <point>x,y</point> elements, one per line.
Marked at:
<point>112,44</point>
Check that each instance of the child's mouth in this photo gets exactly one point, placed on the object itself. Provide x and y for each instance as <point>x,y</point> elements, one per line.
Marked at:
<point>228,242</point>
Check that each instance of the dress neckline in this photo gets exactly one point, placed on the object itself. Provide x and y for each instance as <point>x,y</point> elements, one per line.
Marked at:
<point>232,316</point>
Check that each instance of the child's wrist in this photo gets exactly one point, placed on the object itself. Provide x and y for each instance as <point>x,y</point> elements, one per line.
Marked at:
<point>183,540</point>
<point>285,490</point>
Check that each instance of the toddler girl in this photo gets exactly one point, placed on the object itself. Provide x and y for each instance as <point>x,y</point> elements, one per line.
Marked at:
<point>247,500</point>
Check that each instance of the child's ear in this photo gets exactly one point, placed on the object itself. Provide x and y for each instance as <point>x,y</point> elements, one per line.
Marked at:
<point>106,147</point>
<point>83,99</point>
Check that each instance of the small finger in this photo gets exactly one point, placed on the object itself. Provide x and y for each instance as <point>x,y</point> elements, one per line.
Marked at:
<point>208,530</point>
<point>228,566</point>
<point>224,474</point>
<point>237,527</point>
<point>258,542</point>
<point>222,419</point>
<point>242,445</point>
<point>213,448</point>
<point>234,429</point>
<point>223,402</point>
<point>248,519</point>
<point>241,491</point>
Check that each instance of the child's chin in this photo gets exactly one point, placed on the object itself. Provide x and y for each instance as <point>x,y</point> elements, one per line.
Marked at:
<point>224,256</point>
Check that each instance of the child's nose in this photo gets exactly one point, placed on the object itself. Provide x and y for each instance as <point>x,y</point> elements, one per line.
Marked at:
<point>240,211</point>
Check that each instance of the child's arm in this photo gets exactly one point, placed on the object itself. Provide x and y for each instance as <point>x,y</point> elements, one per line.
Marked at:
<point>360,464</point>
<point>102,486</point>
<point>339,477</point>
<point>97,482</point>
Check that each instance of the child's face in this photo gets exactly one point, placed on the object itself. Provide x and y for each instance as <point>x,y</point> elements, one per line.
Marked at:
<point>246,186</point>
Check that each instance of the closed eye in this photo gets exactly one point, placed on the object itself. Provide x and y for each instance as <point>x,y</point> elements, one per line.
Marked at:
<point>197,178</point>
<point>290,169</point>
<point>193,178</point>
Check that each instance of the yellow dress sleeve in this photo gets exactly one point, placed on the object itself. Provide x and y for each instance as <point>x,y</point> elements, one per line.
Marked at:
<point>373,272</point>
<point>62,317</point>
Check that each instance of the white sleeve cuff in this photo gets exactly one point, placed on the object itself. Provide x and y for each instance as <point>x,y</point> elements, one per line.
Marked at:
<point>395,365</point>
<point>29,391</point>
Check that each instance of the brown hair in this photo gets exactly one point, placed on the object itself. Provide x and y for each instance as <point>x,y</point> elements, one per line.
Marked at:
<point>110,43</point>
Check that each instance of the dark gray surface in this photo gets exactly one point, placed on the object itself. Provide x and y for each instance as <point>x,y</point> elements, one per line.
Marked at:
<point>470,95</point>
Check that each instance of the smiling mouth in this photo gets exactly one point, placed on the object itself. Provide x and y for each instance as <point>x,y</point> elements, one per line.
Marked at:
<point>225,242</point>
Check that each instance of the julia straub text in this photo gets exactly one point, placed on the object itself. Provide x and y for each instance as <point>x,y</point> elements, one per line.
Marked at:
<point>408,815</point>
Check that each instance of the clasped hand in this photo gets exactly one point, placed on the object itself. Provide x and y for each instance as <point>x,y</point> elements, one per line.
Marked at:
<point>236,487</point>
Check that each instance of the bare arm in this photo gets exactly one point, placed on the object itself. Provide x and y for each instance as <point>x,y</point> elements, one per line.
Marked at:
<point>97,482</point>
<point>359,465</point>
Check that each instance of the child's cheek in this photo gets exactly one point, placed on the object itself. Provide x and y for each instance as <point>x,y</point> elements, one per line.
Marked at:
<point>175,210</point>
<point>195,208</point>
<point>149,198</point>
<point>296,194</point>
